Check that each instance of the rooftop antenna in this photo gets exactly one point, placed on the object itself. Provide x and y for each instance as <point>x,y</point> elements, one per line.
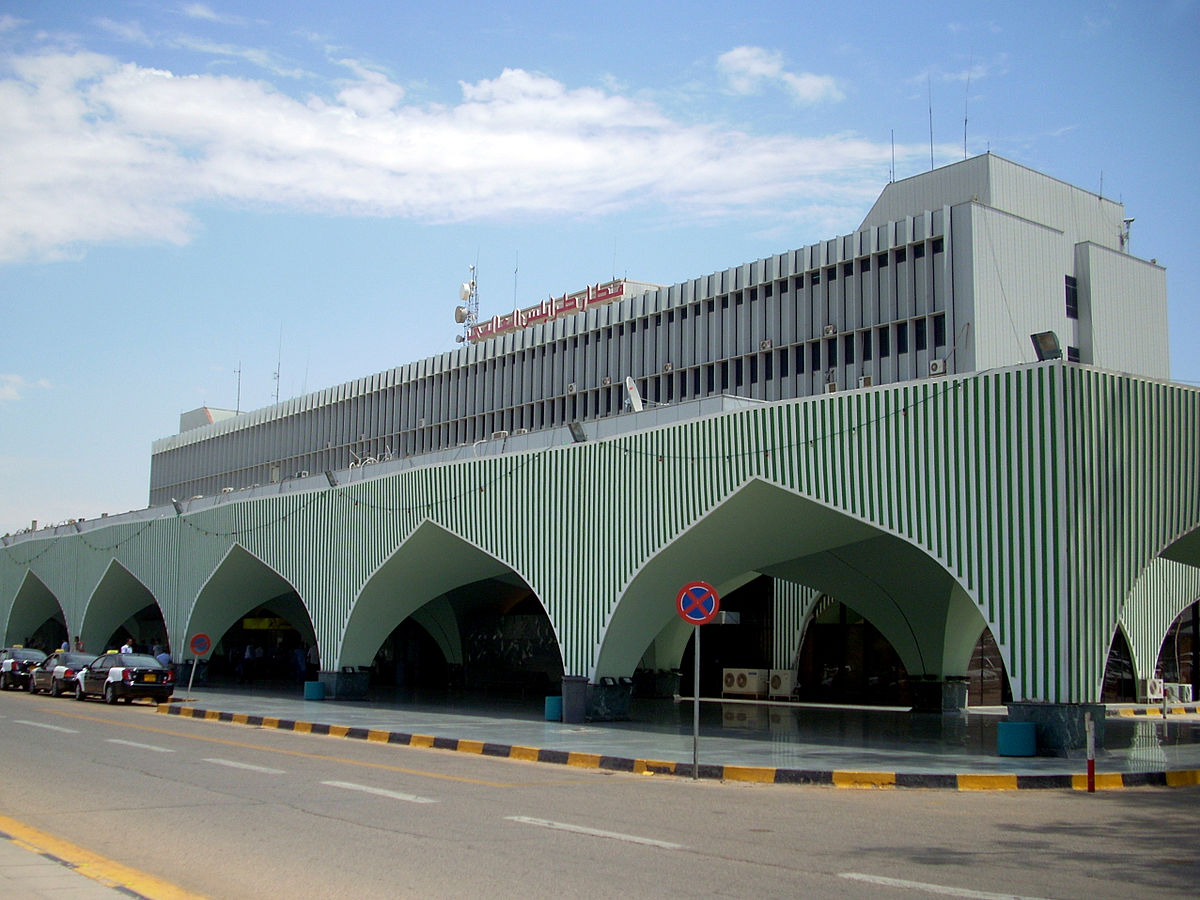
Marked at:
<point>466,313</point>
<point>929,83</point>
<point>966,100</point>
<point>238,373</point>
<point>516,268</point>
<point>278,362</point>
<point>893,175</point>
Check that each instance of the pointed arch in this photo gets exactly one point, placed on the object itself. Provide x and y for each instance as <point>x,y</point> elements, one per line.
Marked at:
<point>240,583</point>
<point>33,605</point>
<point>766,529</point>
<point>415,581</point>
<point>118,596</point>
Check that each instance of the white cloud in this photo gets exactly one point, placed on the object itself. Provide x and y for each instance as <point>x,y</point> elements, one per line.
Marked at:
<point>206,13</point>
<point>13,387</point>
<point>96,150</point>
<point>747,68</point>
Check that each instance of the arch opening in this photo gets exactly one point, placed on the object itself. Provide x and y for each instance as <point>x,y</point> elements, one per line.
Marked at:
<point>1177,660</point>
<point>1120,678</point>
<point>122,608</point>
<point>36,618</point>
<point>454,618</point>
<point>260,627</point>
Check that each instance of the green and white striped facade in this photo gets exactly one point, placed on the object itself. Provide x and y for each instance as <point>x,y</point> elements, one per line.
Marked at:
<point>1052,503</point>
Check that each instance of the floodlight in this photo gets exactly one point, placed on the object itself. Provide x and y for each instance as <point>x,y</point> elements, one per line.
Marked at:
<point>1046,346</point>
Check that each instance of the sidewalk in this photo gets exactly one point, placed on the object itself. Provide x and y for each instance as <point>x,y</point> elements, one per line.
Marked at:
<point>763,742</point>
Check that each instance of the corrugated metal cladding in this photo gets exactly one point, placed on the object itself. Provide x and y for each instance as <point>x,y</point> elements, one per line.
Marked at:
<point>1046,491</point>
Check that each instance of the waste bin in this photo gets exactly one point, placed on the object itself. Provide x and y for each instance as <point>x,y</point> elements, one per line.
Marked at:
<point>314,690</point>
<point>1016,739</point>
<point>554,709</point>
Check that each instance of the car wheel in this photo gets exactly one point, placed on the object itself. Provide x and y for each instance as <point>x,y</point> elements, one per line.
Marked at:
<point>55,688</point>
<point>30,686</point>
<point>110,696</point>
<point>79,693</point>
<point>3,681</point>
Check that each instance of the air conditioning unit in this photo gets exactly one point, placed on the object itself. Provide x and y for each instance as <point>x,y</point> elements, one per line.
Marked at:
<point>1151,688</point>
<point>606,380</point>
<point>765,345</point>
<point>1177,691</point>
<point>746,682</point>
<point>782,683</point>
<point>937,367</point>
<point>571,388</point>
<point>499,435</point>
<point>303,473</point>
<point>865,381</point>
<point>520,431</point>
<point>830,387</point>
<point>829,330</point>
<point>668,367</point>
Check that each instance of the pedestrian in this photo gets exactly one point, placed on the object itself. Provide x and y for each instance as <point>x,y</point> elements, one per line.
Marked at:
<point>164,657</point>
<point>78,644</point>
<point>314,662</point>
<point>127,647</point>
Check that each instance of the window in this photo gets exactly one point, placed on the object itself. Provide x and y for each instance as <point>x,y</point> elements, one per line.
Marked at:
<point>938,245</point>
<point>1072,354</point>
<point>799,360</point>
<point>919,334</point>
<point>847,270</point>
<point>885,347</point>
<point>901,255</point>
<point>768,289</point>
<point>902,337</point>
<point>831,352</point>
<point>883,260</point>
<point>1072,298</point>
<point>939,331</point>
<point>865,265</point>
<point>919,251</point>
<point>866,346</point>
<point>848,348</point>
<point>814,356</point>
<point>815,278</point>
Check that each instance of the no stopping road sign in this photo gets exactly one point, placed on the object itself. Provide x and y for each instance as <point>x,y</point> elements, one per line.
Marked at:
<point>697,603</point>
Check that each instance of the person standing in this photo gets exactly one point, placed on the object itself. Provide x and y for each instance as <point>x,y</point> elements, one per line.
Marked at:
<point>127,647</point>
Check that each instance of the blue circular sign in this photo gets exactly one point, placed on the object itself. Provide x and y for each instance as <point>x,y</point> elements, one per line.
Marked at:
<point>200,643</point>
<point>698,603</point>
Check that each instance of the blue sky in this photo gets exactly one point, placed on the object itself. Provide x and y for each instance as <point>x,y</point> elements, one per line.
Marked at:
<point>190,189</point>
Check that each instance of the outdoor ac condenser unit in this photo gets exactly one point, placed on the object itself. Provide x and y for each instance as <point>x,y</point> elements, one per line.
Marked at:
<point>782,682</point>
<point>746,682</point>
<point>1151,688</point>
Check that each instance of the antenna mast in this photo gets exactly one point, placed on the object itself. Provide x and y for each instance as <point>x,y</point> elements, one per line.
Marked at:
<point>238,373</point>
<point>278,362</point>
<point>929,82</point>
<point>466,314</point>
<point>966,100</point>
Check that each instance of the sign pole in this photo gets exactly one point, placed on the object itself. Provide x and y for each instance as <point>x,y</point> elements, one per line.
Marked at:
<point>697,603</point>
<point>696,707</point>
<point>192,677</point>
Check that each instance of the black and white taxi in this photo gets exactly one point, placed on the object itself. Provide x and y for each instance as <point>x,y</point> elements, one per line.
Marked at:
<point>15,663</point>
<point>125,676</point>
<point>56,673</point>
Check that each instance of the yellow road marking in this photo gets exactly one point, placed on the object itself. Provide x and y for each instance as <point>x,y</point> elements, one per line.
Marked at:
<point>299,753</point>
<point>93,865</point>
<point>987,782</point>
<point>864,779</point>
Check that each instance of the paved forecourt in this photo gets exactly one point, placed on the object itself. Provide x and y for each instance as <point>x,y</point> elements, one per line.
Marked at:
<point>958,754</point>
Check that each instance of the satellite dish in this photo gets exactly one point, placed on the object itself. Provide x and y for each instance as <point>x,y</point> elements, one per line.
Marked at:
<point>464,292</point>
<point>460,314</point>
<point>635,397</point>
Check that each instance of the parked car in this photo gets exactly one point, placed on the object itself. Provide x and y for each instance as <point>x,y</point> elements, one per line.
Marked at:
<point>56,673</point>
<point>125,676</point>
<point>15,663</point>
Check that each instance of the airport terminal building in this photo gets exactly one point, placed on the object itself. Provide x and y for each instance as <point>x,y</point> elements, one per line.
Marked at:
<point>951,272</point>
<point>954,425</point>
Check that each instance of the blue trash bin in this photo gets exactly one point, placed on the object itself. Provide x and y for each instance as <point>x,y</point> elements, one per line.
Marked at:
<point>554,709</point>
<point>1016,738</point>
<point>314,690</point>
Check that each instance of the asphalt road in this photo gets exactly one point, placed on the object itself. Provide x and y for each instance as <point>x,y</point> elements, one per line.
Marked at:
<point>230,811</point>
